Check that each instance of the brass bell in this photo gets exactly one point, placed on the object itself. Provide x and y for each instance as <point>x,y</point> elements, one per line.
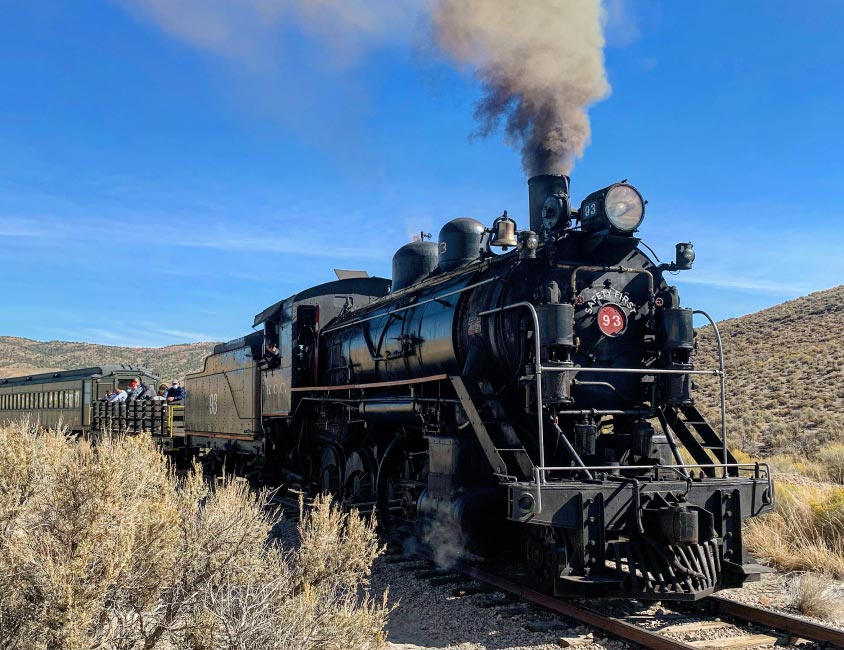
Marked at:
<point>505,232</point>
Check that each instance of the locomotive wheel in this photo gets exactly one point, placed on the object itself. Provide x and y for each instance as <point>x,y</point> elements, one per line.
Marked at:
<point>330,477</point>
<point>402,475</point>
<point>360,476</point>
<point>545,555</point>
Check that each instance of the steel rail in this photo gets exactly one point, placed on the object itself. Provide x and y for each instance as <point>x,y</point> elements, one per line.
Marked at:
<point>609,624</point>
<point>621,629</point>
<point>785,622</point>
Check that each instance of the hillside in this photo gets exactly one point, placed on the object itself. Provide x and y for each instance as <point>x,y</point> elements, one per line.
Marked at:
<point>785,375</point>
<point>20,356</point>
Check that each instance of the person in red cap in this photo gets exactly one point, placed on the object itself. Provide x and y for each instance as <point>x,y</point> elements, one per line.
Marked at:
<point>134,391</point>
<point>139,390</point>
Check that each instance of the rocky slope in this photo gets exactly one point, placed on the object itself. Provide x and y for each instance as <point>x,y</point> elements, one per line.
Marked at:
<point>785,374</point>
<point>20,356</point>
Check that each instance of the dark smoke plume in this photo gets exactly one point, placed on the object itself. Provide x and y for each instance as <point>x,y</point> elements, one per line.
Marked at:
<point>540,61</point>
<point>541,64</point>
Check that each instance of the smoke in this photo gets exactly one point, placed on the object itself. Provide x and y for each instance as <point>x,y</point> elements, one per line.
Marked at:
<point>540,61</point>
<point>252,31</point>
<point>541,64</point>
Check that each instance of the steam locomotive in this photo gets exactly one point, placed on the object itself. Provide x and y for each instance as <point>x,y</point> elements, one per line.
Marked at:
<point>518,394</point>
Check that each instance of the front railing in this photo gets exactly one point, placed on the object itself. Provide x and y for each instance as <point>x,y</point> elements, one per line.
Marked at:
<point>156,417</point>
<point>579,465</point>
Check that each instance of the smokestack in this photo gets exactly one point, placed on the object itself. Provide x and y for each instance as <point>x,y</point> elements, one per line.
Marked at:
<point>549,196</point>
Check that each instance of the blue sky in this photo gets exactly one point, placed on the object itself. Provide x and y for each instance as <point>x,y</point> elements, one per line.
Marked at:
<point>156,188</point>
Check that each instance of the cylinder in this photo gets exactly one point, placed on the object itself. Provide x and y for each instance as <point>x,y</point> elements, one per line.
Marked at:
<point>585,436</point>
<point>556,324</point>
<point>539,189</point>
<point>414,262</point>
<point>556,386</point>
<point>389,411</point>
<point>461,241</point>
<point>678,332</point>
<point>641,438</point>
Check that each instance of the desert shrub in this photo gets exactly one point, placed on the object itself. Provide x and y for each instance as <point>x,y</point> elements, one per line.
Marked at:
<point>831,457</point>
<point>817,595</point>
<point>790,464</point>
<point>805,532</point>
<point>102,547</point>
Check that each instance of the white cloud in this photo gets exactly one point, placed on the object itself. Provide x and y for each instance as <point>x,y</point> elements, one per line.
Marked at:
<point>190,336</point>
<point>744,283</point>
<point>12,227</point>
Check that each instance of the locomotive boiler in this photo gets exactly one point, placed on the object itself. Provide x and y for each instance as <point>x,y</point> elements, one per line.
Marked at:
<point>523,395</point>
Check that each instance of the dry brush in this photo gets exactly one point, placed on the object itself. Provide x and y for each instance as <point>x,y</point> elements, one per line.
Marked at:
<point>101,546</point>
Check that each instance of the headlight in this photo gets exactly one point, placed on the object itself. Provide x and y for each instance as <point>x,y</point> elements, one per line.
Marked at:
<point>618,208</point>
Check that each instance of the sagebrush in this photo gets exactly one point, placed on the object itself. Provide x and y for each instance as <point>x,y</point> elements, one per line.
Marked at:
<point>101,546</point>
<point>805,532</point>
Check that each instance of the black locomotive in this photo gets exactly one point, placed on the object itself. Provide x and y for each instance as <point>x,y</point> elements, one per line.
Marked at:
<point>523,395</point>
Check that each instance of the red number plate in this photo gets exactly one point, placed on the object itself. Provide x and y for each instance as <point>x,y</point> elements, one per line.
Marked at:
<point>611,320</point>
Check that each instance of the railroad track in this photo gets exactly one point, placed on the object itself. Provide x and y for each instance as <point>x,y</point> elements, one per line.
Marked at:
<point>772,628</point>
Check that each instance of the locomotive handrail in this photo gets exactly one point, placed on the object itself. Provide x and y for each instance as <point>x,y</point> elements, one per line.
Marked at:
<point>641,371</point>
<point>610,269</point>
<point>723,385</point>
<point>756,466</point>
<point>406,307</point>
<point>607,468</point>
<point>538,375</point>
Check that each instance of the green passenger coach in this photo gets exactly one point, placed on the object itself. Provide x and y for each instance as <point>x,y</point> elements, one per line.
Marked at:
<point>65,397</point>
